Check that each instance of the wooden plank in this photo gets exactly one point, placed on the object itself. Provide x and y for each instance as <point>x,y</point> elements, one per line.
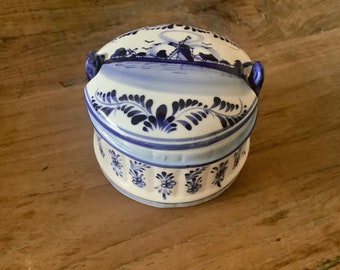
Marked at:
<point>59,212</point>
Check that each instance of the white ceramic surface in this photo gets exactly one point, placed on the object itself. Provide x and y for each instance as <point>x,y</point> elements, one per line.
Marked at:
<point>173,107</point>
<point>164,186</point>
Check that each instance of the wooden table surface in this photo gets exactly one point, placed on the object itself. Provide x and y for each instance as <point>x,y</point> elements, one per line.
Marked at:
<point>57,209</point>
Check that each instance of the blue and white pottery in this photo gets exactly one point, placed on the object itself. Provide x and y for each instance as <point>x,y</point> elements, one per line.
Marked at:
<point>173,107</point>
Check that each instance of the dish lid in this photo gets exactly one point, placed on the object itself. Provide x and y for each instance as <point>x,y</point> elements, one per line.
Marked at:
<point>172,87</point>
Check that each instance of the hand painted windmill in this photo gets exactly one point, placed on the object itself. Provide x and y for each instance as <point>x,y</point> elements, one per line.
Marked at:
<point>182,51</point>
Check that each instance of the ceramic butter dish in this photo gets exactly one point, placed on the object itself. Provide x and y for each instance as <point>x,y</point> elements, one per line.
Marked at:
<point>172,107</point>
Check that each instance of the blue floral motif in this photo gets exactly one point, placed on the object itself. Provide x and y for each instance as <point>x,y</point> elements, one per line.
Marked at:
<point>194,180</point>
<point>220,173</point>
<point>101,150</point>
<point>100,146</point>
<point>167,183</point>
<point>136,171</point>
<point>237,156</point>
<point>116,163</point>
<point>188,113</point>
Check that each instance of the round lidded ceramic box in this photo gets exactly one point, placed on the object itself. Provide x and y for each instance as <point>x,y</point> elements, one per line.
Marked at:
<point>173,107</point>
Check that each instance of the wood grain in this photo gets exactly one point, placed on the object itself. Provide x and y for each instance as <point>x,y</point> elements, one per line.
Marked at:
<point>59,212</point>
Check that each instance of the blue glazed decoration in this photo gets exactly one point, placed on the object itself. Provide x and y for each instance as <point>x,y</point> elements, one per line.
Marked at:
<point>136,171</point>
<point>220,172</point>
<point>116,163</point>
<point>100,146</point>
<point>166,49</point>
<point>194,180</point>
<point>172,107</point>
<point>93,64</point>
<point>187,112</point>
<point>167,183</point>
<point>237,156</point>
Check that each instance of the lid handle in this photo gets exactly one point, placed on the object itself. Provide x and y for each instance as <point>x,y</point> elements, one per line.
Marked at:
<point>255,77</point>
<point>93,64</point>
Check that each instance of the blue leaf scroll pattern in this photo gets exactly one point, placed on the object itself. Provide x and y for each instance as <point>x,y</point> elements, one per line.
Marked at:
<point>167,183</point>
<point>116,163</point>
<point>220,173</point>
<point>194,180</point>
<point>188,113</point>
<point>136,171</point>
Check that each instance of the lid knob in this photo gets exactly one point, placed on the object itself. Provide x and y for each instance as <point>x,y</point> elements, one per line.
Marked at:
<point>93,63</point>
<point>255,77</point>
